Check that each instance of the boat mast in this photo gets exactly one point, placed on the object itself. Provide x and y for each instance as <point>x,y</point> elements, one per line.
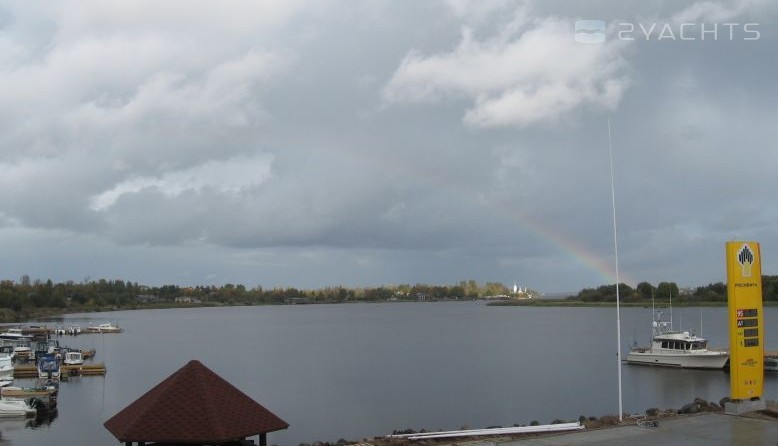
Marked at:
<point>616,258</point>
<point>654,319</point>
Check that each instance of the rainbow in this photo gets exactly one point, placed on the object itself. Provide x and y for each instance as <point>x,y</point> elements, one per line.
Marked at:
<point>603,267</point>
<point>582,254</point>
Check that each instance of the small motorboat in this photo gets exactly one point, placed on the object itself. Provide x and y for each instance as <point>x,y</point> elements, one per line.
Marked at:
<point>73,358</point>
<point>6,368</point>
<point>13,408</point>
<point>104,328</point>
<point>48,366</point>
<point>22,352</point>
<point>15,334</point>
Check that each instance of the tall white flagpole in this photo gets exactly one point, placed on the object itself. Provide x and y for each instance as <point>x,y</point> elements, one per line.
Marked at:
<point>616,252</point>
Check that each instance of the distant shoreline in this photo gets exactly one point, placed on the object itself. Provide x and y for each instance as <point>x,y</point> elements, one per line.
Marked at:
<point>578,303</point>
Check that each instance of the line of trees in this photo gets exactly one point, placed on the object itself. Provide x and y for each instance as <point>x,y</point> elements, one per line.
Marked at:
<point>27,294</point>
<point>644,292</point>
<point>19,300</point>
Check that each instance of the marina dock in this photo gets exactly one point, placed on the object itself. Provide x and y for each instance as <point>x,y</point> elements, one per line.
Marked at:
<point>31,371</point>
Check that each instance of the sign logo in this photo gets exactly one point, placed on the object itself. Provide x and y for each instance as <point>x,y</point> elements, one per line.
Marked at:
<point>745,257</point>
<point>590,31</point>
<point>750,362</point>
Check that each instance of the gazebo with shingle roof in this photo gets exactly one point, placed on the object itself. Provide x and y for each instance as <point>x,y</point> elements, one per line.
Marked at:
<point>193,406</point>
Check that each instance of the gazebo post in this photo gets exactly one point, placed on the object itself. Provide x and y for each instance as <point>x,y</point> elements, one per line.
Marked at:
<point>263,439</point>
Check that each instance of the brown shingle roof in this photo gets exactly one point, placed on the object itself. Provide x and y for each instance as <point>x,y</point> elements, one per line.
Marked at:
<point>193,405</point>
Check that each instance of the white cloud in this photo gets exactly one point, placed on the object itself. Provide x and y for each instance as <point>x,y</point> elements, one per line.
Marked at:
<point>227,177</point>
<point>719,12</point>
<point>223,96</point>
<point>477,10</point>
<point>88,76</point>
<point>534,73</point>
<point>100,102</point>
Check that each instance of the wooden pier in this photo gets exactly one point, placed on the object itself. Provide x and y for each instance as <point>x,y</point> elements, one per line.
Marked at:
<point>31,371</point>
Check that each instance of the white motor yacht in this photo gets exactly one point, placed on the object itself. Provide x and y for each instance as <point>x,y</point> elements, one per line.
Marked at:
<point>677,349</point>
<point>14,334</point>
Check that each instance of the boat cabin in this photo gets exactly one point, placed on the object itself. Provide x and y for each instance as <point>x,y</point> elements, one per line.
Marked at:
<point>680,341</point>
<point>683,345</point>
<point>74,358</point>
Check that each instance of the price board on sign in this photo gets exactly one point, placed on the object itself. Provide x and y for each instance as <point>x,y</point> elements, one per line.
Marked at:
<point>746,320</point>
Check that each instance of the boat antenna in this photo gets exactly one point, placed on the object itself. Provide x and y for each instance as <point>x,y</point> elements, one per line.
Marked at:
<point>671,308</point>
<point>700,321</point>
<point>616,257</point>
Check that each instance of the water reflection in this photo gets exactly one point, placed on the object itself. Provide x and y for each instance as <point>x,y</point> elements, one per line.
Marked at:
<point>43,418</point>
<point>667,388</point>
<point>14,424</point>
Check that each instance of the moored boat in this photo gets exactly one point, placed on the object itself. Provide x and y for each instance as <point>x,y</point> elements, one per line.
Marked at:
<point>6,368</point>
<point>48,366</point>
<point>104,328</point>
<point>14,334</point>
<point>771,364</point>
<point>677,349</point>
<point>13,408</point>
<point>22,350</point>
<point>73,358</point>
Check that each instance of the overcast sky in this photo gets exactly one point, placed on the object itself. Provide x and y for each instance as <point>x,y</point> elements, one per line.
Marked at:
<point>311,144</point>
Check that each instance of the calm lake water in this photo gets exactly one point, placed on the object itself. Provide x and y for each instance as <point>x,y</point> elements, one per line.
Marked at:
<point>363,370</point>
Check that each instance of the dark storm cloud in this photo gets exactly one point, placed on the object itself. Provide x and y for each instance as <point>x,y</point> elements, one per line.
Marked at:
<point>284,143</point>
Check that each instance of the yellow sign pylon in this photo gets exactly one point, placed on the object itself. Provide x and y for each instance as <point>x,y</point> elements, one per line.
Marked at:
<point>746,320</point>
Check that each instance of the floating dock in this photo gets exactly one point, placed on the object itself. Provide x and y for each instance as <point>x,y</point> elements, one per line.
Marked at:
<point>31,371</point>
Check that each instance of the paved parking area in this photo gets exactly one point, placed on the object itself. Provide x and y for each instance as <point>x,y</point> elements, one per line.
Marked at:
<point>705,429</point>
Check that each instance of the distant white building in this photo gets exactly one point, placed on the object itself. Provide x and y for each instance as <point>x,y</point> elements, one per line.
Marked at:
<point>521,293</point>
